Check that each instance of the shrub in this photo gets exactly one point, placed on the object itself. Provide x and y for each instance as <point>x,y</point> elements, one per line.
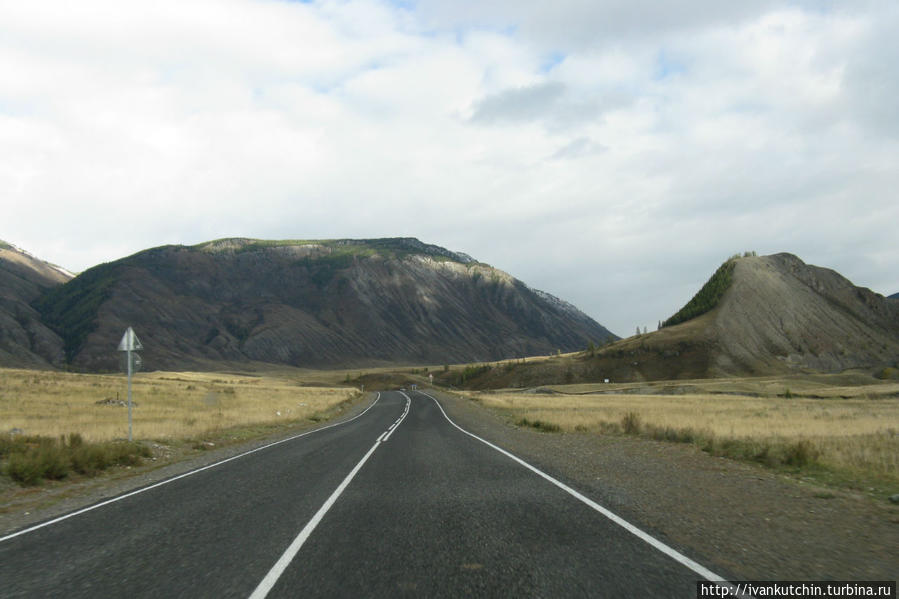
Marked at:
<point>801,453</point>
<point>90,459</point>
<point>674,435</point>
<point>23,469</point>
<point>546,427</point>
<point>631,424</point>
<point>42,462</point>
<point>53,462</point>
<point>31,459</point>
<point>10,444</point>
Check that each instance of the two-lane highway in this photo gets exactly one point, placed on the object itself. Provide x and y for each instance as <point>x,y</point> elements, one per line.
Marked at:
<point>398,501</point>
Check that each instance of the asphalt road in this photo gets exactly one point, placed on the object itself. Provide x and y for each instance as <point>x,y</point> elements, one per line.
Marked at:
<point>397,502</point>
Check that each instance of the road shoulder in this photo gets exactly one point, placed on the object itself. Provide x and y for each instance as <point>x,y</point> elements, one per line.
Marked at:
<point>737,519</point>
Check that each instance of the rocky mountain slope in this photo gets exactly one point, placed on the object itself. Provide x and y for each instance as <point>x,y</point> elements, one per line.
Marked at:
<point>24,340</point>
<point>308,303</point>
<point>781,312</point>
<point>775,315</point>
<point>779,315</point>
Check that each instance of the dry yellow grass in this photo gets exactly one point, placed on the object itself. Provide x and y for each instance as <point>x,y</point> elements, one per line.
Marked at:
<point>168,405</point>
<point>850,434</point>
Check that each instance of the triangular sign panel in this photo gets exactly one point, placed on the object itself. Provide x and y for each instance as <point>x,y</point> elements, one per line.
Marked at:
<point>129,341</point>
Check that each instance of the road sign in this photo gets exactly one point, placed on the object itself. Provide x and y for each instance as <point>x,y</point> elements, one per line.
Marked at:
<point>136,362</point>
<point>129,341</point>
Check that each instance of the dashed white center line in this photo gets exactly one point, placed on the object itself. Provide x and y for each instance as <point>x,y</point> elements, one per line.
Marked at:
<point>264,587</point>
<point>184,475</point>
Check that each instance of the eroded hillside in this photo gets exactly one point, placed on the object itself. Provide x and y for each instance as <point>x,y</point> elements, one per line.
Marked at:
<point>317,303</point>
<point>774,315</point>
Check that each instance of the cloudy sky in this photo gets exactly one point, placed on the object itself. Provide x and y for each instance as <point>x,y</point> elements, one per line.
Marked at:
<point>611,152</point>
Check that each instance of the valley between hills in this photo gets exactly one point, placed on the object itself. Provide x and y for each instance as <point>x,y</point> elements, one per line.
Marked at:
<point>762,419</point>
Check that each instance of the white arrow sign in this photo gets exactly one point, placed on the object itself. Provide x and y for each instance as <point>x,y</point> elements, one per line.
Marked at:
<point>129,341</point>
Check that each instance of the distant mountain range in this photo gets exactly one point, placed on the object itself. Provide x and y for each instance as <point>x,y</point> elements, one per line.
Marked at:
<point>894,296</point>
<point>757,315</point>
<point>233,302</point>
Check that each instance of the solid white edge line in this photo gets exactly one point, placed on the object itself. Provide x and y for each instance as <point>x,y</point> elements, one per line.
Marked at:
<point>277,570</point>
<point>669,551</point>
<point>180,476</point>
<point>271,578</point>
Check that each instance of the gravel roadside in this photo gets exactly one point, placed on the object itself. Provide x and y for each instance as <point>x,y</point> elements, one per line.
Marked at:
<point>737,519</point>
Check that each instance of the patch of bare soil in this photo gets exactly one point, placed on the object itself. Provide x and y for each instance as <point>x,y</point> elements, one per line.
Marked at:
<point>739,520</point>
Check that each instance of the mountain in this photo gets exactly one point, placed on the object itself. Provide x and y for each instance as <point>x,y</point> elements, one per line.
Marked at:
<point>780,315</point>
<point>24,340</point>
<point>308,303</point>
<point>894,296</point>
<point>757,315</point>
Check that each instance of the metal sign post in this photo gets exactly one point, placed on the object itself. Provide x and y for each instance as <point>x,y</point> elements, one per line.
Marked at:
<point>128,344</point>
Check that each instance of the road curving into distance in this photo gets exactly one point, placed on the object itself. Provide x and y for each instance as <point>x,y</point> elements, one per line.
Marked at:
<point>398,501</point>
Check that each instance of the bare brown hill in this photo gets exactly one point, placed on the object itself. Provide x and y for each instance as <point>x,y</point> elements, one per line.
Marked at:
<point>776,315</point>
<point>24,340</point>
<point>781,313</point>
<point>308,303</point>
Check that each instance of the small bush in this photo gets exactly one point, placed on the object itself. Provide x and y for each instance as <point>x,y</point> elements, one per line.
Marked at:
<point>674,435</point>
<point>32,459</point>
<point>788,394</point>
<point>801,453</point>
<point>546,427</point>
<point>631,423</point>
<point>24,469</point>
<point>10,444</point>
<point>53,462</point>
<point>46,461</point>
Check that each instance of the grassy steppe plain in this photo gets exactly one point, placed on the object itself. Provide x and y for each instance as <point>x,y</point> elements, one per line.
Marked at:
<point>168,405</point>
<point>842,435</point>
<point>838,430</point>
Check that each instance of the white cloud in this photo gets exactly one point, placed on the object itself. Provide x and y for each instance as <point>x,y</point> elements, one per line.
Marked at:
<point>611,154</point>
